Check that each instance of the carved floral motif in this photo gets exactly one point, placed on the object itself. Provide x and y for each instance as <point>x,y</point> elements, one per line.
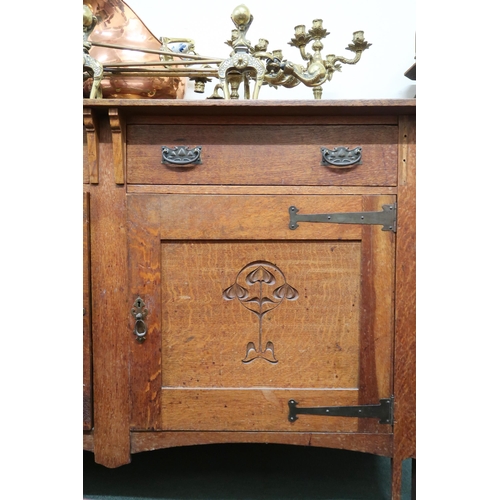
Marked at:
<point>260,287</point>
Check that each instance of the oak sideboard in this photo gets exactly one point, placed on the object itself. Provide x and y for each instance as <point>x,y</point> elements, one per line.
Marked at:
<point>249,275</point>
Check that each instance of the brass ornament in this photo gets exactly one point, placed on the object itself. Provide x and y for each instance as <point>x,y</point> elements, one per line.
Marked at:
<point>91,67</point>
<point>176,58</point>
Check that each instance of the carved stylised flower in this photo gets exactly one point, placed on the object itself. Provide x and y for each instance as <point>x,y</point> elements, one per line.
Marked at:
<point>286,291</point>
<point>260,275</point>
<point>235,291</point>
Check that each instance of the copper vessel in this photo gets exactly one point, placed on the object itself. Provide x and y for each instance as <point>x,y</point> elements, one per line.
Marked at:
<point>118,24</point>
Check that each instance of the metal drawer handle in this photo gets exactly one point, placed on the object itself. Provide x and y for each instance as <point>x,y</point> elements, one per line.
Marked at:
<point>341,157</point>
<point>181,156</point>
<point>139,312</point>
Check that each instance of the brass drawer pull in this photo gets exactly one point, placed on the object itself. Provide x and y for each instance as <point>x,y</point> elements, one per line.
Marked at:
<point>181,156</point>
<point>341,157</point>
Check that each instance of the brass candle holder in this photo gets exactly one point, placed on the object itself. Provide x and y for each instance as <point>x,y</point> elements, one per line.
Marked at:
<point>176,58</point>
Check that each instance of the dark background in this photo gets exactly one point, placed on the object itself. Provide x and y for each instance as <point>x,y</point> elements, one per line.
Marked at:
<point>245,472</point>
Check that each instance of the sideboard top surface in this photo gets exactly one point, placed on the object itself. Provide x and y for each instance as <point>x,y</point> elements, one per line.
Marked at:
<point>251,107</point>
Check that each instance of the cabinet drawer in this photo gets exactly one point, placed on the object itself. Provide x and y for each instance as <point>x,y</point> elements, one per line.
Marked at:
<point>263,154</point>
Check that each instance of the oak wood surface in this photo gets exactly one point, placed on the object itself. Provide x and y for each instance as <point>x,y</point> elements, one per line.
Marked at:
<point>206,333</point>
<point>377,317</point>
<point>118,134</point>
<point>299,108</point>
<point>86,178</point>
<point>144,259</point>
<point>203,337</point>
<point>186,224</point>
<point>256,217</point>
<point>254,409</point>
<point>88,441</point>
<point>257,119</point>
<point>405,325</point>
<point>90,122</point>
<point>87,320</point>
<point>378,444</point>
<point>109,311</point>
<point>213,189</point>
<point>262,154</point>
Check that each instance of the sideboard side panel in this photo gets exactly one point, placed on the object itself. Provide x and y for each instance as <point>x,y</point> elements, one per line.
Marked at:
<point>109,312</point>
<point>87,342</point>
<point>405,341</point>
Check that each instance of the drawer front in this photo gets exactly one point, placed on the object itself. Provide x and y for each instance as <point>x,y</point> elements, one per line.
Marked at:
<point>263,154</point>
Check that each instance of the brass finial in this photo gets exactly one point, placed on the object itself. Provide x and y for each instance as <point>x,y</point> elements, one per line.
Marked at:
<point>87,15</point>
<point>241,15</point>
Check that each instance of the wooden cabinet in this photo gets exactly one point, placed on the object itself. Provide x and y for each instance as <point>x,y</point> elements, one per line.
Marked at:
<point>245,286</point>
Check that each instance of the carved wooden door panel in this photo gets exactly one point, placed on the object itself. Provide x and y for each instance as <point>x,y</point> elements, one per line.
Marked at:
<point>244,314</point>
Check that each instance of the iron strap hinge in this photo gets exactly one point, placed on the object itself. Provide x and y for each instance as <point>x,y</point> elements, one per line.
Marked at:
<point>384,411</point>
<point>387,218</point>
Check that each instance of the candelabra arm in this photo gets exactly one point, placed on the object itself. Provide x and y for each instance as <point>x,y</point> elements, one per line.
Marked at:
<point>344,60</point>
<point>305,56</point>
<point>315,74</point>
<point>358,45</point>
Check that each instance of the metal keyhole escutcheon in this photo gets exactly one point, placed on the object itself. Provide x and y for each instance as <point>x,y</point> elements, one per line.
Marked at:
<point>139,312</point>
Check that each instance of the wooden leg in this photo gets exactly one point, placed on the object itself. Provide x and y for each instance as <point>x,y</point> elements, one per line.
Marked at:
<point>397,474</point>
<point>397,470</point>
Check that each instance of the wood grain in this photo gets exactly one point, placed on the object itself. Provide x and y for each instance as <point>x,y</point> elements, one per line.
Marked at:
<point>204,336</point>
<point>88,441</point>
<point>262,154</point>
<point>271,119</point>
<point>145,281</point>
<point>252,410</point>
<point>110,310</point>
<point>377,444</point>
<point>405,339</point>
<point>377,317</point>
<point>90,122</point>
<point>178,238</point>
<point>86,178</point>
<point>118,134</point>
<point>87,319</point>
<point>264,108</point>
<point>225,189</point>
<point>314,336</point>
<point>256,217</point>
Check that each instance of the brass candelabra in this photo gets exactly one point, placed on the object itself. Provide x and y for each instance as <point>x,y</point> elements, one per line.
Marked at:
<point>246,63</point>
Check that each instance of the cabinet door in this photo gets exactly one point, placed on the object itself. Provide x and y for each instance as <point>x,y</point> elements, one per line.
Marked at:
<point>244,314</point>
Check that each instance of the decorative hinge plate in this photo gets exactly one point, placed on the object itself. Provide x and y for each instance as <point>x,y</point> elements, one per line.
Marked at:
<point>386,218</point>
<point>383,411</point>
